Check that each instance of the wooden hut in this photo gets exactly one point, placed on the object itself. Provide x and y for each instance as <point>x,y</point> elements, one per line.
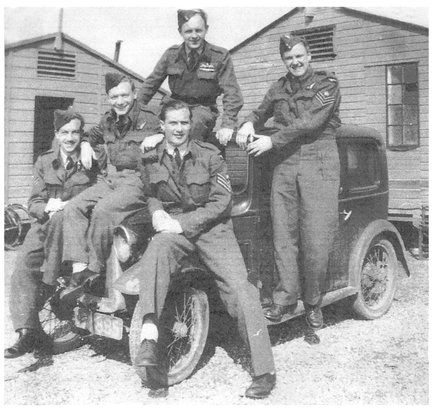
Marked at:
<point>383,71</point>
<point>43,74</point>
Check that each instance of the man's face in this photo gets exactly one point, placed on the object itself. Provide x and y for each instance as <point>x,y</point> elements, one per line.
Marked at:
<point>193,32</point>
<point>297,60</point>
<point>176,127</point>
<point>121,97</point>
<point>68,136</point>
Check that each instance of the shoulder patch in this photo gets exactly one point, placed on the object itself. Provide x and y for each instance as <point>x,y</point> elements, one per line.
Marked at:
<point>224,181</point>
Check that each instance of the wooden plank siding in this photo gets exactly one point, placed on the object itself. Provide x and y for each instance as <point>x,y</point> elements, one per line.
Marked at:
<point>23,85</point>
<point>364,45</point>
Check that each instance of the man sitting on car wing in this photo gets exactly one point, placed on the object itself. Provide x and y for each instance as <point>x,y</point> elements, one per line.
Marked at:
<point>190,204</point>
<point>58,176</point>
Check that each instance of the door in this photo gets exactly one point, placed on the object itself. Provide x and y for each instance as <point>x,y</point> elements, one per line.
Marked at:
<point>43,129</point>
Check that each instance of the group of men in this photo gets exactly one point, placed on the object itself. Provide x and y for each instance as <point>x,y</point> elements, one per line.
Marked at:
<point>142,157</point>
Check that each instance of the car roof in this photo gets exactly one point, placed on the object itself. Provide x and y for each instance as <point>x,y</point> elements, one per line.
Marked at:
<point>350,130</point>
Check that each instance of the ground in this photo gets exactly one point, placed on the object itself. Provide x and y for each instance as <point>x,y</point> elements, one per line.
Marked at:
<point>383,361</point>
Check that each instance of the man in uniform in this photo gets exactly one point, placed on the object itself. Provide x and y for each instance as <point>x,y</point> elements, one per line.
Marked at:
<point>190,209</point>
<point>58,176</point>
<point>304,194</point>
<point>198,72</point>
<point>121,130</point>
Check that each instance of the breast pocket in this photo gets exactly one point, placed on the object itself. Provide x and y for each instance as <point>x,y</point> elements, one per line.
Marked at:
<point>199,187</point>
<point>174,70</point>
<point>206,74</point>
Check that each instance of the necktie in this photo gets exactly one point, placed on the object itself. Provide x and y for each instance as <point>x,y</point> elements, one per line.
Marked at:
<point>69,163</point>
<point>177,157</point>
<point>192,60</point>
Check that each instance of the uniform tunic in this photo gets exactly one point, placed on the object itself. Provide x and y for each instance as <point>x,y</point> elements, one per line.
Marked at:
<point>304,194</point>
<point>198,195</point>
<point>44,239</point>
<point>115,198</point>
<point>213,76</point>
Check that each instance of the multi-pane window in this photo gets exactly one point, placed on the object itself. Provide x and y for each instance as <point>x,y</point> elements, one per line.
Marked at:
<point>320,42</point>
<point>402,106</point>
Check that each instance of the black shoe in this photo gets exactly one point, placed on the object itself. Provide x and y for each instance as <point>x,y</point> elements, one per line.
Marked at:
<point>314,316</point>
<point>261,386</point>
<point>147,354</point>
<point>28,340</point>
<point>76,286</point>
<point>276,311</point>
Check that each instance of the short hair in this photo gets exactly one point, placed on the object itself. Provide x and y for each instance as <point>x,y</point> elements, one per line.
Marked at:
<point>184,15</point>
<point>173,104</point>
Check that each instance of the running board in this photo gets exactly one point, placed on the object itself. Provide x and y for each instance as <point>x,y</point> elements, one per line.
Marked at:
<point>329,297</point>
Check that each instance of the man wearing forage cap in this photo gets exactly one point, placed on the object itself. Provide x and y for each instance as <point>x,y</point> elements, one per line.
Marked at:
<point>121,130</point>
<point>304,194</point>
<point>198,72</point>
<point>58,176</point>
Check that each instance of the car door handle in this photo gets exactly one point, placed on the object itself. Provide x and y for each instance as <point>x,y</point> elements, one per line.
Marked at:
<point>346,214</point>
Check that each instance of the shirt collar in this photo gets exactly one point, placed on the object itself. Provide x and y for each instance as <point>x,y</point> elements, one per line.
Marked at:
<point>300,80</point>
<point>63,157</point>
<point>165,148</point>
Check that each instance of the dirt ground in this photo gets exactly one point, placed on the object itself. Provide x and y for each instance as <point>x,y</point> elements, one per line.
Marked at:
<point>384,361</point>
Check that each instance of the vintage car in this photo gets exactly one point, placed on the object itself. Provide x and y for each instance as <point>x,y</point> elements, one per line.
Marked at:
<point>363,264</point>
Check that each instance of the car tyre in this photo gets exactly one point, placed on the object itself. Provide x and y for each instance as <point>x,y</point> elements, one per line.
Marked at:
<point>184,326</point>
<point>376,279</point>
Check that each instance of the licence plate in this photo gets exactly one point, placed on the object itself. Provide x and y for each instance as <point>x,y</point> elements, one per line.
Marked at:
<point>107,326</point>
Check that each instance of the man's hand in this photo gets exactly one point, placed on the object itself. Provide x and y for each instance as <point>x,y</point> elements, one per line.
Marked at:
<point>164,223</point>
<point>150,142</point>
<point>86,155</point>
<point>54,205</point>
<point>245,133</point>
<point>224,135</point>
<point>261,145</point>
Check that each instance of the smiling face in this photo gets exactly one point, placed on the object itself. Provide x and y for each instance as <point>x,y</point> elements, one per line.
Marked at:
<point>297,60</point>
<point>68,136</point>
<point>121,97</point>
<point>176,126</point>
<point>193,32</point>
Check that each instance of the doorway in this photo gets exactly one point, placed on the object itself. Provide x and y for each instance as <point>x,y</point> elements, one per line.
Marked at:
<point>44,115</point>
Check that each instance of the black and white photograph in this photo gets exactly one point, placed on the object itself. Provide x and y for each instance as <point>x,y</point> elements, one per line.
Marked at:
<point>216,204</point>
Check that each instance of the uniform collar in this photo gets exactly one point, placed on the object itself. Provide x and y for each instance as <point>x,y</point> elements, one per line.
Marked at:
<point>162,148</point>
<point>131,114</point>
<point>59,158</point>
<point>204,54</point>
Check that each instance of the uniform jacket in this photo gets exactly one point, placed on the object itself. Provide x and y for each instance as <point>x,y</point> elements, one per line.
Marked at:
<point>51,180</point>
<point>214,75</point>
<point>123,136</point>
<point>301,108</point>
<point>199,194</point>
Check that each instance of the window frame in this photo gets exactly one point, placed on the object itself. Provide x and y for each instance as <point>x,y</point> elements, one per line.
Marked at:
<point>313,30</point>
<point>403,146</point>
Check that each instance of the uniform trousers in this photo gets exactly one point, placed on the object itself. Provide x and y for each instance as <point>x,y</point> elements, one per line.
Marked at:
<point>220,251</point>
<point>91,216</point>
<point>43,242</point>
<point>304,210</point>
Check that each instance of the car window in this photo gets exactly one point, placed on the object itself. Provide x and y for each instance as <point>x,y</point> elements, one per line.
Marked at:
<point>362,166</point>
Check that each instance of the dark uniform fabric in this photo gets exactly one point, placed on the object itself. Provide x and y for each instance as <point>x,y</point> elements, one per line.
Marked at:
<point>119,195</point>
<point>304,194</point>
<point>44,239</point>
<point>198,195</point>
<point>212,76</point>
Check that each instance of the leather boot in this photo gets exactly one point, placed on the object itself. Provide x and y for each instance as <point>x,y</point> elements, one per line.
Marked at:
<point>147,354</point>
<point>314,316</point>
<point>76,286</point>
<point>28,340</point>
<point>261,386</point>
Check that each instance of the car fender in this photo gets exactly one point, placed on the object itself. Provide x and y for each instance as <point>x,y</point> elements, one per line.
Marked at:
<point>375,228</point>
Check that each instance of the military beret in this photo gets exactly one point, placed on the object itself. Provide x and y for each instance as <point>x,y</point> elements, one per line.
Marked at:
<point>184,15</point>
<point>62,117</point>
<point>288,41</point>
<point>113,79</point>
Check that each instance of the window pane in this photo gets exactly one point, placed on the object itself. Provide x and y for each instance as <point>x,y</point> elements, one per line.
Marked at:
<point>410,114</point>
<point>395,135</point>
<point>395,94</point>
<point>395,115</point>
<point>362,165</point>
<point>411,135</point>
<point>411,94</point>
<point>410,73</point>
<point>394,74</point>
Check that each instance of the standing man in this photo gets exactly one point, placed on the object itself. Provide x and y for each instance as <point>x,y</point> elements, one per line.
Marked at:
<point>304,194</point>
<point>198,72</point>
<point>190,211</point>
<point>121,130</point>
<point>58,176</point>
